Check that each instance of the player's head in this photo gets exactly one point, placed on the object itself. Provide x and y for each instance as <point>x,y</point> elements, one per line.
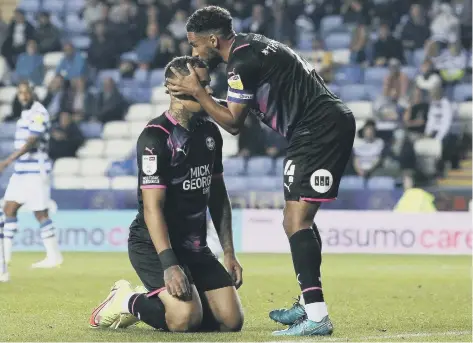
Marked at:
<point>25,92</point>
<point>369,130</point>
<point>180,64</point>
<point>207,28</point>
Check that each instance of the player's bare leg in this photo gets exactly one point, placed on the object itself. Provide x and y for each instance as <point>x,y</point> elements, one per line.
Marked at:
<point>48,235</point>
<point>4,276</point>
<point>10,227</point>
<point>225,305</point>
<point>307,258</point>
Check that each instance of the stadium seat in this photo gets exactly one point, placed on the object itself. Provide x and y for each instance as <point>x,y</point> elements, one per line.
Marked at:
<point>267,183</point>
<point>29,5</point>
<point>92,148</point>
<point>53,6</point>
<point>428,151</point>
<point>124,182</point>
<point>49,76</point>
<point>56,21</point>
<point>129,56</point>
<point>121,168</point>
<point>52,59</point>
<point>68,182</point>
<point>136,128</point>
<point>159,109</point>
<point>157,78</point>
<point>230,146</point>
<point>338,40</point>
<point>361,109</point>
<point>7,94</point>
<point>96,182</point>
<point>116,129</point>
<point>462,92</point>
<point>260,166</point>
<point>75,25</point>
<point>350,74</point>
<point>67,166</point>
<point>352,183</point>
<point>159,95</point>
<point>7,130</point>
<point>279,168</point>
<point>75,6</point>
<point>341,56</point>
<point>118,149</point>
<point>41,92</point>
<point>236,183</point>
<point>139,112</point>
<point>93,166</point>
<point>6,148</point>
<point>381,183</point>
<point>330,23</point>
<point>140,95</point>
<point>234,166</point>
<point>5,111</point>
<point>465,114</point>
<point>81,42</point>
<point>375,75</point>
<point>353,93</point>
<point>91,129</point>
<point>114,74</point>
<point>410,71</point>
<point>373,92</point>
<point>359,125</point>
<point>141,78</point>
<point>418,57</point>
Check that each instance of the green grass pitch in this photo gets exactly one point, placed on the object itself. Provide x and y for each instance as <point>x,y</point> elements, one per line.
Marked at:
<point>370,298</point>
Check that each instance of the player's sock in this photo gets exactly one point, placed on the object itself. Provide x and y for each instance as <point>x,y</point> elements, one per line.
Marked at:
<point>317,235</point>
<point>3,264</point>
<point>48,235</point>
<point>148,309</point>
<point>307,257</point>
<point>10,228</point>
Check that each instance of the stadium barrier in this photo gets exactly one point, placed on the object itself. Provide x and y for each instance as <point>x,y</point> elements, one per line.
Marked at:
<point>260,231</point>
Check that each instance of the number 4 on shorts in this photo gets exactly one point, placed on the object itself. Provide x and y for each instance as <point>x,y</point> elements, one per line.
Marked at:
<point>289,170</point>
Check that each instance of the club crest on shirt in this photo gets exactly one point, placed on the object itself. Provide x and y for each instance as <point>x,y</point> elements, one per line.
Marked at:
<point>38,119</point>
<point>149,164</point>
<point>235,82</point>
<point>210,143</point>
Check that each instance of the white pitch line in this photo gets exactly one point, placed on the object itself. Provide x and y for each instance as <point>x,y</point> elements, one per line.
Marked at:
<point>405,335</point>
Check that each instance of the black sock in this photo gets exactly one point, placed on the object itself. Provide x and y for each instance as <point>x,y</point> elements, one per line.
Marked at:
<point>317,235</point>
<point>307,257</point>
<point>149,310</point>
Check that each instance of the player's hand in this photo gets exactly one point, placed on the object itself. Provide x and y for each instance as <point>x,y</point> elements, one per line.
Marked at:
<point>177,283</point>
<point>234,269</point>
<point>189,85</point>
<point>3,165</point>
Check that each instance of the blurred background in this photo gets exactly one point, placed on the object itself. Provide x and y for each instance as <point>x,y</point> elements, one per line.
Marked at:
<point>403,67</point>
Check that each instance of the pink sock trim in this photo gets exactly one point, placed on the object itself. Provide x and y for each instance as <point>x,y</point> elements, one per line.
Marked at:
<point>317,199</point>
<point>311,289</point>
<point>155,292</point>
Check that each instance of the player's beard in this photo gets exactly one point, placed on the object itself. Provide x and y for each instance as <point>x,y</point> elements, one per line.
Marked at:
<point>213,60</point>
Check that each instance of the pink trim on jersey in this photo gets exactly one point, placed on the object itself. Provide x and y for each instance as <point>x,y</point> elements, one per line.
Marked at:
<point>311,289</point>
<point>170,118</point>
<point>155,292</point>
<point>159,127</point>
<point>218,175</point>
<point>152,186</point>
<point>318,200</point>
<point>241,46</point>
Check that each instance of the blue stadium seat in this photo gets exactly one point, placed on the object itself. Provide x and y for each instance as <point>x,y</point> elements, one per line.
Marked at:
<point>128,83</point>
<point>8,131</point>
<point>381,183</point>
<point>81,42</point>
<point>118,168</point>
<point>462,92</point>
<point>337,41</point>
<point>5,176</point>
<point>234,166</point>
<point>140,95</point>
<point>75,25</point>
<point>410,71</point>
<point>56,21</point>
<point>75,6</point>
<point>129,56</point>
<point>6,148</point>
<point>334,89</point>
<point>259,166</point>
<point>304,41</point>
<point>236,183</point>
<point>157,78</point>
<point>53,6</point>
<point>375,75</point>
<point>141,78</point>
<point>91,130</point>
<point>279,166</point>
<point>267,183</point>
<point>352,183</point>
<point>29,5</point>
<point>373,92</point>
<point>418,57</point>
<point>330,23</point>
<point>353,93</point>
<point>103,74</point>
<point>349,74</point>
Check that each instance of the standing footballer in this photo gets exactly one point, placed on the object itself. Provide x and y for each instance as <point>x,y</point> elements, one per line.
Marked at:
<point>294,101</point>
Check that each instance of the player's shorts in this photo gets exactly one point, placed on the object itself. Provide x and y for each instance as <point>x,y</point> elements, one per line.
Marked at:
<point>317,156</point>
<point>31,190</point>
<point>202,269</point>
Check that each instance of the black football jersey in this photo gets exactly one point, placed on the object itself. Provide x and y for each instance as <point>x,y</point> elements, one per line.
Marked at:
<point>183,162</point>
<point>285,88</point>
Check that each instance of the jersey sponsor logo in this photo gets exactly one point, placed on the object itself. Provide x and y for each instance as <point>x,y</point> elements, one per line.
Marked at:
<point>200,178</point>
<point>151,180</point>
<point>210,143</point>
<point>235,82</point>
<point>321,181</point>
<point>149,164</point>
<point>239,96</point>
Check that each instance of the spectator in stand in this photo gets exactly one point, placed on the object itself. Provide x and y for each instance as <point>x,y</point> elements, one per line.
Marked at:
<point>184,48</point>
<point>30,65</point>
<point>93,12</point>
<point>19,32</point>
<point>73,64</point>
<point>66,138</point>
<point>275,144</point>
<point>396,83</point>
<point>445,26</point>
<point>110,103</point>
<point>387,47</point>
<point>146,48</point>
<point>416,30</point>
<point>251,141</point>
<point>240,11</point>
<point>47,35</point>
<point>368,153</point>
<point>280,26</point>
<point>82,101</point>
<point>3,29</point>
<point>54,96</point>
<point>165,52</point>
<point>355,11</point>
<point>103,49</point>
<point>428,79</point>
<point>123,12</point>
<point>177,27</point>
<point>257,23</point>
<point>415,116</point>
<point>466,24</point>
<point>358,45</point>
<point>150,14</point>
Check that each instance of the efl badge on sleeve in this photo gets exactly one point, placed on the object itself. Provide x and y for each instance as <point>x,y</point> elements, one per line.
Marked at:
<point>38,119</point>
<point>149,164</point>
<point>235,82</point>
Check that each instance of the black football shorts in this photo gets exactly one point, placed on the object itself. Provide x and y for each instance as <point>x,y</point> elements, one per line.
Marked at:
<point>317,156</point>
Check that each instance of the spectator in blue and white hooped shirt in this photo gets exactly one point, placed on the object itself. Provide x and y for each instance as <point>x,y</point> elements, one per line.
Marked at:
<point>30,184</point>
<point>368,152</point>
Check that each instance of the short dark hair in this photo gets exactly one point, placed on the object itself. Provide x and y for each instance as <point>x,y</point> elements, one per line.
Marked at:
<point>211,19</point>
<point>180,64</point>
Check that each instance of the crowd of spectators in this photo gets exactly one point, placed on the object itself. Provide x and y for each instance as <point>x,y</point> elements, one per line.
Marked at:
<point>138,36</point>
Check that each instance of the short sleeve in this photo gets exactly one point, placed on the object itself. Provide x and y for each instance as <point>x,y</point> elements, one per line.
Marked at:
<point>218,166</point>
<point>242,74</point>
<point>37,124</point>
<point>152,159</point>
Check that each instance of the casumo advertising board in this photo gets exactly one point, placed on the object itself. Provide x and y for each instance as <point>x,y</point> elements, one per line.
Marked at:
<point>374,232</point>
